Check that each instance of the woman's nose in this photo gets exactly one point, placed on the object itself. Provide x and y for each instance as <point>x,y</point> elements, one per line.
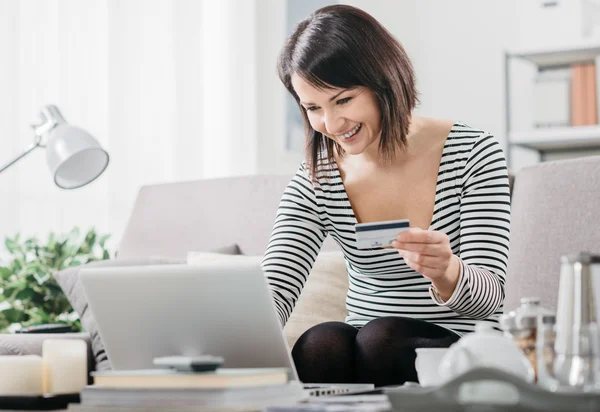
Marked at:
<point>333,123</point>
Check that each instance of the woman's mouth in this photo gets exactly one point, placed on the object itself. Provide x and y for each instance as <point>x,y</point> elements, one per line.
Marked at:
<point>351,133</point>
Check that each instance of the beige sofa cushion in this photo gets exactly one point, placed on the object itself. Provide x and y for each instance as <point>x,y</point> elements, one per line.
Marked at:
<point>323,298</point>
<point>554,212</point>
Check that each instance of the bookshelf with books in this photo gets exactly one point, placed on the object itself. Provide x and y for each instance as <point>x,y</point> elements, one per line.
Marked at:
<point>565,99</point>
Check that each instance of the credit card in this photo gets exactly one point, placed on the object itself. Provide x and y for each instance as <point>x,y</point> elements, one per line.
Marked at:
<point>379,234</point>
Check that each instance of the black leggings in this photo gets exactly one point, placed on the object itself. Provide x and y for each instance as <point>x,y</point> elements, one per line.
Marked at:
<point>382,352</point>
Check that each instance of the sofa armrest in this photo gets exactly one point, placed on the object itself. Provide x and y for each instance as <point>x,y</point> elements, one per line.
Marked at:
<point>31,344</point>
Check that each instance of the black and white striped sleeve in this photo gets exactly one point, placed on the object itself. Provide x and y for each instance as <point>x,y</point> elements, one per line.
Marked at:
<point>296,239</point>
<point>484,232</point>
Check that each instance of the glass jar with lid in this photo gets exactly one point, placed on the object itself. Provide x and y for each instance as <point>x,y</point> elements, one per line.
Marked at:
<point>521,325</point>
<point>546,354</point>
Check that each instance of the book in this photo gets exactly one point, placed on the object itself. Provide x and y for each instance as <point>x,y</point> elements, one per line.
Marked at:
<point>584,105</point>
<point>262,396</point>
<point>597,91</point>
<point>169,378</point>
<point>591,110</point>
<point>578,99</point>
<point>552,94</point>
<point>76,407</point>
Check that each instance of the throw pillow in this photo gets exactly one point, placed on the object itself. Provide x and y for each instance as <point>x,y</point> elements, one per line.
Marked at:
<point>68,280</point>
<point>323,298</point>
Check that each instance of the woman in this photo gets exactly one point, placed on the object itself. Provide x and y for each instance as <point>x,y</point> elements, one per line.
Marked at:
<point>368,159</point>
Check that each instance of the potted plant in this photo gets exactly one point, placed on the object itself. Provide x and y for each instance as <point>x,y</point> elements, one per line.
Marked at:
<point>29,294</point>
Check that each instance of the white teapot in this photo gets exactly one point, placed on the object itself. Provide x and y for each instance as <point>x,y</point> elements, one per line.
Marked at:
<point>486,348</point>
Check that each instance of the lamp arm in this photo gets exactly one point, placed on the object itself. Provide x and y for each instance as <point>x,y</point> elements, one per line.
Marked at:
<point>34,145</point>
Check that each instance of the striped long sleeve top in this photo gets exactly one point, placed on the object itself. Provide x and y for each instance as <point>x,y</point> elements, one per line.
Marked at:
<point>472,206</point>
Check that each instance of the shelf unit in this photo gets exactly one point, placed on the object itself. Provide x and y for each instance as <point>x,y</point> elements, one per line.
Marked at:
<point>559,139</point>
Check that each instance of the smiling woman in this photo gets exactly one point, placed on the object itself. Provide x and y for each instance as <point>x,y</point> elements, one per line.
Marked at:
<point>325,59</point>
<point>370,159</point>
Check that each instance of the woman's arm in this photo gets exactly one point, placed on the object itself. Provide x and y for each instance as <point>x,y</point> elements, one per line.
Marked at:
<point>472,282</point>
<point>296,239</point>
<point>484,233</point>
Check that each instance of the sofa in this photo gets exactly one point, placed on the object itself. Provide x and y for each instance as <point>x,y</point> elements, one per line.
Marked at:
<point>554,211</point>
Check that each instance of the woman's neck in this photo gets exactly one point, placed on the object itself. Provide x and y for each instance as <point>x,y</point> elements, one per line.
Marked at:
<point>372,155</point>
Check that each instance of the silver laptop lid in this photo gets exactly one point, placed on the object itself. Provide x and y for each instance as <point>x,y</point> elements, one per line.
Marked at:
<point>145,312</point>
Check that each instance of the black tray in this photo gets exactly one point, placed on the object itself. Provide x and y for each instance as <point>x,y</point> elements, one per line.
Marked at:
<point>41,402</point>
<point>527,396</point>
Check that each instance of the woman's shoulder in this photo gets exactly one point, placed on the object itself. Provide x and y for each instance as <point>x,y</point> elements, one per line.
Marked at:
<point>469,149</point>
<point>473,150</point>
<point>303,178</point>
<point>469,142</point>
<point>466,130</point>
<point>325,171</point>
<point>467,133</point>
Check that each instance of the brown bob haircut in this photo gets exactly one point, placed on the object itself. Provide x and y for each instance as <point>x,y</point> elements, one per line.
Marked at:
<point>342,46</point>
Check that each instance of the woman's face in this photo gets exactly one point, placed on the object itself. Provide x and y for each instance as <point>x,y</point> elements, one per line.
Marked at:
<point>350,117</point>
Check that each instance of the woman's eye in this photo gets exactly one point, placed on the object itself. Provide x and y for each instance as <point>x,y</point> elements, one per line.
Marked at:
<point>344,100</point>
<point>311,108</point>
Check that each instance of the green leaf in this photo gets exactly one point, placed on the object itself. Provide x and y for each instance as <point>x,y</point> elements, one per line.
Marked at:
<point>103,240</point>
<point>5,273</point>
<point>3,324</point>
<point>25,294</point>
<point>41,278</point>
<point>11,245</point>
<point>12,315</point>
<point>90,239</point>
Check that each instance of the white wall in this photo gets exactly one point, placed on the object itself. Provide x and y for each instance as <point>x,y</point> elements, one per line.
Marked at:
<point>397,16</point>
<point>459,60</point>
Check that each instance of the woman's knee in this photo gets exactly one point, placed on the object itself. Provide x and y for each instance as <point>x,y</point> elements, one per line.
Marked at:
<point>413,332</point>
<point>381,330</point>
<point>385,350</point>
<point>325,353</point>
<point>327,336</point>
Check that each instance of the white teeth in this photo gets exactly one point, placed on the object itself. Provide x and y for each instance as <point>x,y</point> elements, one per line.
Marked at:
<point>351,132</point>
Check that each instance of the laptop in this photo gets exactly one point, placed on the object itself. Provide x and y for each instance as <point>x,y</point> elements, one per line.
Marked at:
<point>146,312</point>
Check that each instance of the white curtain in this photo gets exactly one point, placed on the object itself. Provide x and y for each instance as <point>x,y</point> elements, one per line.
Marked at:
<point>134,74</point>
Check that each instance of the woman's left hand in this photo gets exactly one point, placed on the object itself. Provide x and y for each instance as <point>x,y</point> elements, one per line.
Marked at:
<point>428,252</point>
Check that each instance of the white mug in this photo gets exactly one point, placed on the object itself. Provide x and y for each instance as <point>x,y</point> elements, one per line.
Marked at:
<point>427,365</point>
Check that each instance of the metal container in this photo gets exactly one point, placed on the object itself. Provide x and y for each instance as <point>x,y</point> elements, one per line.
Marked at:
<point>577,345</point>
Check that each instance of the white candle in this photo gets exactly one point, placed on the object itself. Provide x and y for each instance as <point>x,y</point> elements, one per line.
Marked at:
<point>65,365</point>
<point>21,375</point>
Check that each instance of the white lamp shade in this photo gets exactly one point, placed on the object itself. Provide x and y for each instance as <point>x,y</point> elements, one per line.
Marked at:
<point>74,157</point>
